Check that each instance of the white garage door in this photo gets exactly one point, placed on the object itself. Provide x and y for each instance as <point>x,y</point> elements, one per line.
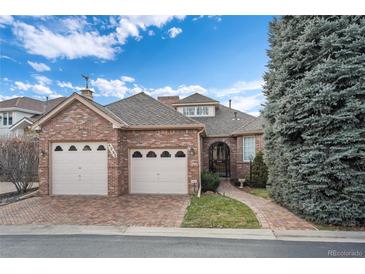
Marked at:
<point>158,171</point>
<point>79,169</point>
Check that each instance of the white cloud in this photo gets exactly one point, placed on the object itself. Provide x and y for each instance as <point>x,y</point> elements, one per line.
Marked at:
<point>43,79</point>
<point>6,20</point>
<point>127,79</point>
<point>22,85</point>
<point>173,32</point>
<point>5,97</point>
<point>65,85</point>
<point>73,37</point>
<point>44,42</point>
<point>239,87</point>
<point>180,91</point>
<point>8,58</point>
<point>40,67</point>
<point>115,88</point>
<point>151,33</point>
<point>248,104</point>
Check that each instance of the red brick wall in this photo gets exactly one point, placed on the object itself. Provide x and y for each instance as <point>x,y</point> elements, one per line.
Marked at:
<point>232,144</point>
<point>243,168</point>
<point>239,168</point>
<point>78,123</point>
<point>161,139</point>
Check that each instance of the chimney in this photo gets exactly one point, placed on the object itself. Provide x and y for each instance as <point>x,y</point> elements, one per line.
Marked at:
<point>230,103</point>
<point>235,116</point>
<point>88,93</point>
<point>168,100</point>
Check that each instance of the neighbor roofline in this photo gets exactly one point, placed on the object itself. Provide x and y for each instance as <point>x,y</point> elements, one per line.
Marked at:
<point>20,109</point>
<point>86,102</point>
<point>25,119</point>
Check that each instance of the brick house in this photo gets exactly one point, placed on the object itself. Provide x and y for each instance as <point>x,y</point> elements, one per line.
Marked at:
<point>142,145</point>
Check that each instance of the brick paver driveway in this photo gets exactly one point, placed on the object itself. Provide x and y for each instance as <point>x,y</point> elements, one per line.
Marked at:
<point>269,214</point>
<point>131,210</point>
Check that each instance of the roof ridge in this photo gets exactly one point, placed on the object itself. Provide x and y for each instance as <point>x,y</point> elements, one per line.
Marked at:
<point>134,95</point>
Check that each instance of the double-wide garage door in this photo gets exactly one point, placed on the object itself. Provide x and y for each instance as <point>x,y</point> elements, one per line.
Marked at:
<point>161,171</point>
<point>79,168</point>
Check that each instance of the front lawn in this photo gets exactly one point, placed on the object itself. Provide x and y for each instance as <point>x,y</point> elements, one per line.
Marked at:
<point>340,228</point>
<point>217,211</point>
<point>261,192</point>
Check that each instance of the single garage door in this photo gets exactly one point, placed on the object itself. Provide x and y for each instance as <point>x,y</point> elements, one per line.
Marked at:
<point>79,168</point>
<point>158,171</point>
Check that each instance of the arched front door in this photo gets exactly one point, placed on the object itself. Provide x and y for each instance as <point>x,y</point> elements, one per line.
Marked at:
<point>219,160</point>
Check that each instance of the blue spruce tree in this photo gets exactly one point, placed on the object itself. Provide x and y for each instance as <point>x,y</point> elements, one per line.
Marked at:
<point>315,117</point>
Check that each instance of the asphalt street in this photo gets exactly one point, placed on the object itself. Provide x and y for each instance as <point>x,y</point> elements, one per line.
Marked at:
<point>93,246</point>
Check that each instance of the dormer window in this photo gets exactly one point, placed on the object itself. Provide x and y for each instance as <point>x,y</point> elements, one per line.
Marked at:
<point>196,110</point>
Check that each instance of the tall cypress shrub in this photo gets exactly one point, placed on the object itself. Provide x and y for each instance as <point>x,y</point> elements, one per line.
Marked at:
<point>315,117</point>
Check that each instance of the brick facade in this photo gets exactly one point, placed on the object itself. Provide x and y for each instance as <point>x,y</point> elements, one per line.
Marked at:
<point>179,138</point>
<point>79,123</point>
<point>239,168</point>
<point>243,168</point>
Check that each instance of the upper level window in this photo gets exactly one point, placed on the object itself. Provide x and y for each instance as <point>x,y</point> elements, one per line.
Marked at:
<point>249,148</point>
<point>6,118</point>
<point>196,111</point>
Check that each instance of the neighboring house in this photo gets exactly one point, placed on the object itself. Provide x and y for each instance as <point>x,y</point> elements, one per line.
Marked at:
<point>141,145</point>
<point>17,114</point>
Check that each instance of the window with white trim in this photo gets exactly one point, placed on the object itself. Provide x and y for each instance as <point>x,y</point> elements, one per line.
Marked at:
<point>196,111</point>
<point>249,148</point>
<point>6,118</point>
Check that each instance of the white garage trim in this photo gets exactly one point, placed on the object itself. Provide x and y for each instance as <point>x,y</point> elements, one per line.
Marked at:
<point>79,168</point>
<point>152,173</point>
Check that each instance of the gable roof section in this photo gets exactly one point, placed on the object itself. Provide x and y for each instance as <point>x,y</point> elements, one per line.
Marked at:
<point>99,109</point>
<point>30,104</point>
<point>196,98</point>
<point>223,123</point>
<point>257,125</point>
<point>141,110</point>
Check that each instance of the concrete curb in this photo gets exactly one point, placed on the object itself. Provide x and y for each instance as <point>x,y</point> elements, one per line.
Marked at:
<point>252,234</point>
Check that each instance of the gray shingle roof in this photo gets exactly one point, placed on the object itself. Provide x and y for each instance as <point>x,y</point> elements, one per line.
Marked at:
<point>141,109</point>
<point>256,125</point>
<point>31,104</point>
<point>224,124</point>
<point>196,98</point>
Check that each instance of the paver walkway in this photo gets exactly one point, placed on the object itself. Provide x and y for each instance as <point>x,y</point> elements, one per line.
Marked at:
<point>269,214</point>
<point>126,210</point>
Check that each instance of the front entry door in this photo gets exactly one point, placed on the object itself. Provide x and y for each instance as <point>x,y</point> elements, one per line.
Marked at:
<point>219,160</point>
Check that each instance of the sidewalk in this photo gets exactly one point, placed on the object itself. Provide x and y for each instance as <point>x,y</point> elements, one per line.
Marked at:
<point>269,214</point>
<point>257,234</point>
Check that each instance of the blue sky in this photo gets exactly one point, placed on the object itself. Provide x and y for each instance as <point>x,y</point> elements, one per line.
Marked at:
<point>223,57</point>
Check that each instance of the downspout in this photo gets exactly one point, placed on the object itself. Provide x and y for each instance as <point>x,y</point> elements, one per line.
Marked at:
<point>199,160</point>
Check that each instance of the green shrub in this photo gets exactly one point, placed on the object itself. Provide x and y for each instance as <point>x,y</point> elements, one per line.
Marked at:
<point>259,171</point>
<point>209,181</point>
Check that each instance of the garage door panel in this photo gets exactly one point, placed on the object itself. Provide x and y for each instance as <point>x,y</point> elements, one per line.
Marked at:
<point>158,175</point>
<point>81,172</point>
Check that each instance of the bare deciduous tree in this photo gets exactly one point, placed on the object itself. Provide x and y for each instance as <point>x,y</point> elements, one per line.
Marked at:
<point>19,161</point>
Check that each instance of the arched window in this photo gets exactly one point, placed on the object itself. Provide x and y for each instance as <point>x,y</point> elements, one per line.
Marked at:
<point>180,154</point>
<point>72,148</point>
<point>137,154</point>
<point>86,148</point>
<point>151,154</point>
<point>58,148</point>
<point>101,147</point>
<point>165,154</point>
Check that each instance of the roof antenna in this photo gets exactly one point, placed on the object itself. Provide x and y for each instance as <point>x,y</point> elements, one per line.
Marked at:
<point>87,78</point>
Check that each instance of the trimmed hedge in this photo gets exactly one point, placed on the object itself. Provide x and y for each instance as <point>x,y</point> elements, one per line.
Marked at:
<point>210,181</point>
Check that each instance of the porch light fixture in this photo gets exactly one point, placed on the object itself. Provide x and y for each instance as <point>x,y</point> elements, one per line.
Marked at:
<point>191,151</point>
<point>43,153</point>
